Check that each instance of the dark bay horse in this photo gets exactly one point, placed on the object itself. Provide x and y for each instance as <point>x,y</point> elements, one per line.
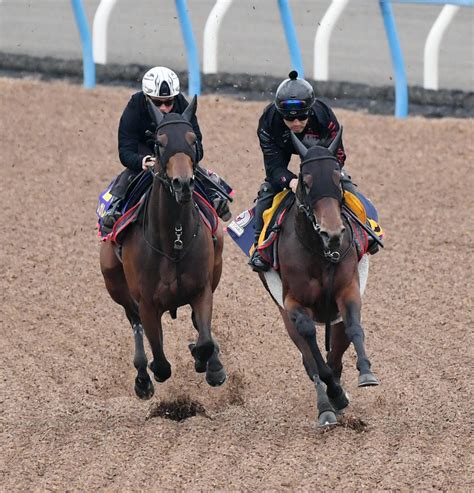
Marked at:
<point>169,258</point>
<point>319,275</point>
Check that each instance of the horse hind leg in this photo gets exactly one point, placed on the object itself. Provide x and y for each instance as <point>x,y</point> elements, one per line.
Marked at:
<point>339,344</point>
<point>355,333</point>
<point>116,285</point>
<point>143,385</point>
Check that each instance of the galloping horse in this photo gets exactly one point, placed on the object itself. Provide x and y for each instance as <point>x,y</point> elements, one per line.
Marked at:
<point>169,258</point>
<point>319,275</point>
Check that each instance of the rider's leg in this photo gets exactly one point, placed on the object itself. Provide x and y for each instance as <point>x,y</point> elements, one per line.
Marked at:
<point>264,201</point>
<point>349,186</point>
<point>118,192</point>
<point>219,202</point>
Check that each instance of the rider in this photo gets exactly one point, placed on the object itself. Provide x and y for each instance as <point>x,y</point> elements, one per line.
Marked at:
<point>296,109</point>
<point>160,86</point>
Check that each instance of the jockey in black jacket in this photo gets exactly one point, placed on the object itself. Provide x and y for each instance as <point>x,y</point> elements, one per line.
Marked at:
<point>295,109</point>
<point>160,86</point>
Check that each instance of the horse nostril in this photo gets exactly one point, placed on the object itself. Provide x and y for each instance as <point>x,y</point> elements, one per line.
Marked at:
<point>343,230</point>
<point>324,236</point>
<point>177,185</point>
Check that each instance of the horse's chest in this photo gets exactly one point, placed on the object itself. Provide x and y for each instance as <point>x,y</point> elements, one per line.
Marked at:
<point>173,287</point>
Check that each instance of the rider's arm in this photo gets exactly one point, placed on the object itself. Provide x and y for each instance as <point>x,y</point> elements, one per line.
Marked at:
<point>129,137</point>
<point>275,158</point>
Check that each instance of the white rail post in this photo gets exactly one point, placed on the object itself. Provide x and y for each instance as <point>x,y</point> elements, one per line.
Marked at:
<point>323,35</point>
<point>211,30</point>
<point>99,30</point>
<point>432,44</point>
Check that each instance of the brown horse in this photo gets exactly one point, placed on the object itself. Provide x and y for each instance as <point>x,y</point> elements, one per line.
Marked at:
<point>169,258</point>
<point>319,276</point>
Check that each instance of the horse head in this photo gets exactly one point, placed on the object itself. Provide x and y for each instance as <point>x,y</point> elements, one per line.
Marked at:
<point>320,191</point>
<point>175,150</point>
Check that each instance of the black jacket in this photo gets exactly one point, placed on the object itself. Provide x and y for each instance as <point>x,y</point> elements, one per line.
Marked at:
<point>277,147</point>
<point>133,145</point>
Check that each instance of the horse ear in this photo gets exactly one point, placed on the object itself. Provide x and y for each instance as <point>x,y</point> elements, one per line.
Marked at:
<point>155,113</point>
<point>298,145</point>
<point>190,110</point>
<point>335,144</point>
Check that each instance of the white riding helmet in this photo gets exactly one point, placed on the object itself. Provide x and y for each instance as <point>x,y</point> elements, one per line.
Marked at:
<point>160,82</point>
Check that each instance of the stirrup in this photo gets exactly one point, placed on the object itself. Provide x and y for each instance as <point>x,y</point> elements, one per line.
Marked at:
<point>257,263</point>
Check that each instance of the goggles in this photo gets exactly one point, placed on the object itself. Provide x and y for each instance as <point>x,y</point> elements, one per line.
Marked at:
<point>161,102</point>
<point>293,105</point>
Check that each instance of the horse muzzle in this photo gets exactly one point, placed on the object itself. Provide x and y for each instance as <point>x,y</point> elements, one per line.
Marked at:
<point>183,187</point>
<point>332,240</point>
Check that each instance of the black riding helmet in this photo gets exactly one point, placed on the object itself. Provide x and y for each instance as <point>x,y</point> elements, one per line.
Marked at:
<point>294,97</point>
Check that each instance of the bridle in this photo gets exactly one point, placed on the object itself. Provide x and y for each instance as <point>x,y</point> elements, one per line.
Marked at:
<point>162,176</point>
<point>333,256</point>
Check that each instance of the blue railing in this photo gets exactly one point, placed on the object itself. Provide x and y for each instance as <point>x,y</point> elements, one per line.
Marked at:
<point>291,38</point>
<point>86,42</point>
<point>194,86</point>
<point>401,85</point>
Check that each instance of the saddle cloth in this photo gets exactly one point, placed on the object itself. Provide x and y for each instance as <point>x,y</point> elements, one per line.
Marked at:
<point>242,228</point>
<point>135,213</point>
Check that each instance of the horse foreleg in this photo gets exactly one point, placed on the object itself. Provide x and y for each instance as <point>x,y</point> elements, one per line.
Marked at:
<point>349,305</point>
<point>202,315</point>
<point>116,284</point>
<point>154,332</point>
<point>339,344</point>
<point>302,331</point>
<point>215,372</point>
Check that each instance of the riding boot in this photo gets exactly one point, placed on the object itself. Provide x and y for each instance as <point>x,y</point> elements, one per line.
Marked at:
<point>118,192</point>
<point>264,201</point>
<point>112,215</point>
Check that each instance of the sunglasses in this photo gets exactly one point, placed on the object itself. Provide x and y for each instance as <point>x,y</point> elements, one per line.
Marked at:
<point>162,102</point>
<point>300,118</point>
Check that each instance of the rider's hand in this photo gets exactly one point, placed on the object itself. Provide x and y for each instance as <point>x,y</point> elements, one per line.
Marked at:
<point>148,162</point>
<point>293,184</point>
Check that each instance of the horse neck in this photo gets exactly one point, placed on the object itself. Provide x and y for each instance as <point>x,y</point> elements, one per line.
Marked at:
<point>164,215</point>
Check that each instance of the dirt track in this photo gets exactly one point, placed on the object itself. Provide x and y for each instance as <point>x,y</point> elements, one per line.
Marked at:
<point>69,419</point>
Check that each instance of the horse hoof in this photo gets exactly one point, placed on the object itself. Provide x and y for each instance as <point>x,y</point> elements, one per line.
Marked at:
<point>340,402</point>
<point>216,378</point>
<point>160,374</point>
<point>368,380</point>
<point>144,390</point>
<point>327,418</point>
